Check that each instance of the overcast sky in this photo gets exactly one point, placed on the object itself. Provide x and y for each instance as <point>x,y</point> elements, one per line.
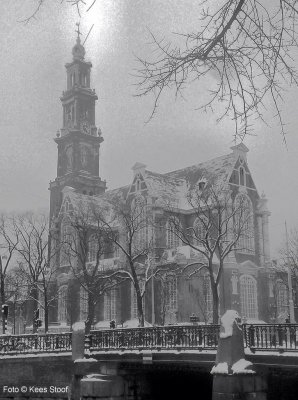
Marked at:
<point>33,77</point>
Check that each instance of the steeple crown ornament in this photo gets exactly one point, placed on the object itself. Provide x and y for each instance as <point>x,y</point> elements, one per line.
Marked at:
<point>78,50</point>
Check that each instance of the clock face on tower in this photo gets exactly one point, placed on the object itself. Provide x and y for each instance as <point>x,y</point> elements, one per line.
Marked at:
<point>85,127</point>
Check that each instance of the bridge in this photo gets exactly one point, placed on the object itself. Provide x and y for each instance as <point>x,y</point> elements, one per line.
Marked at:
<point>152,354</point>
<point>274,338</point>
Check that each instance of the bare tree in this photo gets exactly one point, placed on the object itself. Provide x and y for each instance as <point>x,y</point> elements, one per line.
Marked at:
<point>85,245</point>
<point>130,228</point>
<point>222,225</point>
<point>246,45</point>
<point>36,260</point>
<point>81,5</point>
<point>8,245</point>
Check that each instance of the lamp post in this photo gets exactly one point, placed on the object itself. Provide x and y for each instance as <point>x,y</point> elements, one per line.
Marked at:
<point>291,302</point>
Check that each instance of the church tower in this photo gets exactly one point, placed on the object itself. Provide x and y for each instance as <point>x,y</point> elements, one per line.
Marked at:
<point>79,139</point>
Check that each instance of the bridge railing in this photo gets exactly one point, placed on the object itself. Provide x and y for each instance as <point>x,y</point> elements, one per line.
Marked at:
<point>167,337</point>
<point>281,337</point>
<point>35,343</point>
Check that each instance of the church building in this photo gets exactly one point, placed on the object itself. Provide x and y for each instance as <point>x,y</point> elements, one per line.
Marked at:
<point>245,280</point>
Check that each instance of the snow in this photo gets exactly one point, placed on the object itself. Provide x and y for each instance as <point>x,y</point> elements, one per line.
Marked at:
<point>134,323</point>
<point>85,360</point>
<point>78,326</point>
<point>227,321</point>
<point>220,368</point>
<point>241,367</point>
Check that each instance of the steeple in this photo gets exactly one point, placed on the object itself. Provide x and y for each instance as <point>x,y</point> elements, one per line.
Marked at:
<point>78,50</point>
<point>79,139</point>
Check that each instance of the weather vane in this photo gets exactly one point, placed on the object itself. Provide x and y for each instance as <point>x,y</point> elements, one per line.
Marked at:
<point>78,31</point>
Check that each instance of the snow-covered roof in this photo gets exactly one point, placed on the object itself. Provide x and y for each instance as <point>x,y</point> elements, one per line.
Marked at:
<point>169,189</point>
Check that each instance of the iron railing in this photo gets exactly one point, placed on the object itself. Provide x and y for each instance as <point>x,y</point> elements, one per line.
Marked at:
<point>281,337</point>
<point>271,337</point>
<point>160,337</point>
<point>35,343</point>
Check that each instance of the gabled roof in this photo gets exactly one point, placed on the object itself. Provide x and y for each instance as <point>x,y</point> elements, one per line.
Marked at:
<point>172,187</point>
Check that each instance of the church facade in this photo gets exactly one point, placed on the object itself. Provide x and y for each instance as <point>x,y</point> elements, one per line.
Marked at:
<point>247,280</point>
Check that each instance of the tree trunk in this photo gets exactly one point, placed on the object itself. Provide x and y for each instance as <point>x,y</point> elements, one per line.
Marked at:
<point>215,299</point>
<point>2,299</point>
<point>140,308</point>
<point>46,311</point>
<point>91,311</point>
<point>34,295</point>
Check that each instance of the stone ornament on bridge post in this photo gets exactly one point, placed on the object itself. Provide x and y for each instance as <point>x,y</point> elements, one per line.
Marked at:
<point>87,382</point>
<point>233,376</point>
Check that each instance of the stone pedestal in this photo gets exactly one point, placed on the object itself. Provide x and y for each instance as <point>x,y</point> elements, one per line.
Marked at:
<point>102,387</point>
<point>239,387</point>
<point>234,378</point>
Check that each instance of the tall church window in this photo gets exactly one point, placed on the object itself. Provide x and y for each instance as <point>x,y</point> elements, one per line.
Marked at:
<point>173,229</point>
<point>110,305</point>
<point>200,229</point>
<point>282,300</point>
<point>134,303</point>
<point>248,297</point>
<point>67,237</point>
<point>92,248</point>
<point>83,304</point>
<point>244,223</point>
<point>62,304</point>
<point>140,222</point>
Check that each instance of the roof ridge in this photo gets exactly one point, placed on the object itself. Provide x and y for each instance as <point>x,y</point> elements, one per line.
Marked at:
<point>191,166</point>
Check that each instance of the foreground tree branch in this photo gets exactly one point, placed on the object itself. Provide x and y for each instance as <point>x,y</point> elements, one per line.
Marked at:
<point>245,50</point>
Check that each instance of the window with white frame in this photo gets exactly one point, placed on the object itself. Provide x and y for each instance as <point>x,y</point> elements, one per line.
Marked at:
<point>83,304</point>
<point>208,298</point>
<point>134,303</point>
<point>110,305</point>
<point>62,304</point>
<point>248,297</point>
<point>173,229</point>
<point>244,223</point>
<point>242,176</point>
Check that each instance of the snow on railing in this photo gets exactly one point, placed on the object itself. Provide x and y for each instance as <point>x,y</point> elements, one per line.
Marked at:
<point>35,343</point>
<point>270,337</point>
<point>281,337</point>
<point>157,337</point>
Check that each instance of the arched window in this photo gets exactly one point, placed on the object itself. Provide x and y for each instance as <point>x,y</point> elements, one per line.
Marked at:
<point>83,304</point>
<point>244,223</point>
<point>62,304</point>
<point>110,305</point>
<point>208,298</point>
<point>248,297</point>
<point>93,248</point>
<point>134,304</point>
<point>173,228</point>
<point>282,299</point>
<point>200,229</point>
<point>140,222</point>
<point>171,292</point>
<point>242,177</point>
<point>171,298</point>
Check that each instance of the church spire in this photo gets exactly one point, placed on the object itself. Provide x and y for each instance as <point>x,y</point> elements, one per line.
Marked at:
<point>78,51</point>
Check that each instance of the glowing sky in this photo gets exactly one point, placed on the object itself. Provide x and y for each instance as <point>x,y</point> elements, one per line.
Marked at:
<point>33,76</point>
